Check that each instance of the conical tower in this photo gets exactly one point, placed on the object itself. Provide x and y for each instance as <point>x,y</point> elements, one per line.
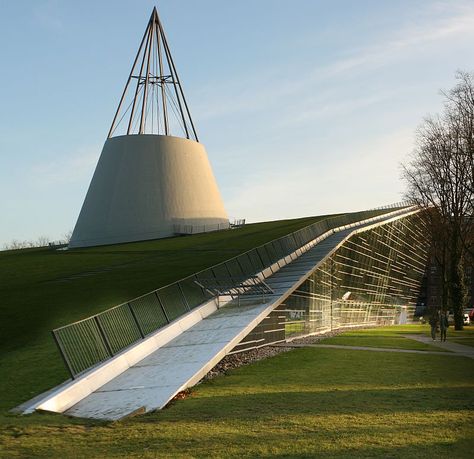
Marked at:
<point>153,178</point>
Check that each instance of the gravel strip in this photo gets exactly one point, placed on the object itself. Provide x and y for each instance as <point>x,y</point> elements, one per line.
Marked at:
<point>230,362</point>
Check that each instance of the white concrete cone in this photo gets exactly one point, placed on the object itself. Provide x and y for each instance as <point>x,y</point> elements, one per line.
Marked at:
<point>143,186</point>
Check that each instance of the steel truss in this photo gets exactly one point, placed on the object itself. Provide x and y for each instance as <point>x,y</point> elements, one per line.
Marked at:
<point>158,91</point>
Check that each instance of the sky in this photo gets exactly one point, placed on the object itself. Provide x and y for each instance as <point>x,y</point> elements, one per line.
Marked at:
<point>305,107</point>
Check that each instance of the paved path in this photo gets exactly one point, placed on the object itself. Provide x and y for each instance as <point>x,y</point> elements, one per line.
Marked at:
<point>460,349</point>
<point>455,349</point>
<point>368,348</point>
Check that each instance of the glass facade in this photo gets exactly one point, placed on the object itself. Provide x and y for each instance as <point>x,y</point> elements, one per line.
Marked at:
<point>373,278</point>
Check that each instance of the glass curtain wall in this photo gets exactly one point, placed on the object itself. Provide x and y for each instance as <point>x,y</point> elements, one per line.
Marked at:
<point>373,278</point>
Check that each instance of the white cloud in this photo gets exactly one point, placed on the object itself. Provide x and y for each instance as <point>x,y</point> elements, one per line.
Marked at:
<point>405,43</point>
<point>264,88</point>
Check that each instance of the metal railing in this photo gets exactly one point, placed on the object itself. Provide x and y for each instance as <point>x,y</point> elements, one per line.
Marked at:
<point>91,341</point>
<point>250,288</point>
<point>181,229</point>
<point>395,205</point>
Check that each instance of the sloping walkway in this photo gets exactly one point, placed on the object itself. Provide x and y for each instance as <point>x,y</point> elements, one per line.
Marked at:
<point>182,362</point>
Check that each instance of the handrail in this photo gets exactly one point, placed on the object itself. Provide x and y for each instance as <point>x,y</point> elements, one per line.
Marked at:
<point>95,339</point>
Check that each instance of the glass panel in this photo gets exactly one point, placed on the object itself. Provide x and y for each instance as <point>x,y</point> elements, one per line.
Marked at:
<point>272,253</point>
<point>222,275</point>
<point>119,327</point>
<point>246,264</point>
<point>193,293</point>
<point>264,256</point>
<point>172,301</point>
<point>149,313</point>
<point>255,260</point>
<point>287,245</point>
<point>235,269</point>
<point>278,249</point>
<point>82,344</point>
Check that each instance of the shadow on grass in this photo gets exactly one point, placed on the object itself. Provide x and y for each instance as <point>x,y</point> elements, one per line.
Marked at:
<point>416,451</point>
<point>281,435</point>
<point>348,402</point>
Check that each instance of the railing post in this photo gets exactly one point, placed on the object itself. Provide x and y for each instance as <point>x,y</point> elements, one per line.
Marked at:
<point>241,267</point>
<point>103,335</point>
<point>63,354</point>
<point>261,260</point>
<point>228,271</point>
<point>162,307</point>
<point>136,321</point>
<point>250,261</point>
<point>269,257</point>
<point>203,290</point>
<point>296,242</point>
<point>183,296</point>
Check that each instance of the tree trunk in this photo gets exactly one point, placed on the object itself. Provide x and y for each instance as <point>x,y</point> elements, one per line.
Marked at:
<point>456,284</point>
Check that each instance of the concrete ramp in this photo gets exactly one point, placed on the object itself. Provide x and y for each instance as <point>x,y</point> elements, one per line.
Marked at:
<point>181,363</point>
<point>155,380</point>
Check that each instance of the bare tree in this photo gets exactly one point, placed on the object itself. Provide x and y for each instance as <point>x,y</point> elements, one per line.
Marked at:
<point>440,178</point>
<point>15,244</point>
<point>67,236</point>
<point>42,241</point>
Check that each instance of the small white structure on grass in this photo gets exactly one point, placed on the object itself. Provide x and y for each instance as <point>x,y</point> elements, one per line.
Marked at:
<point>148,183</point>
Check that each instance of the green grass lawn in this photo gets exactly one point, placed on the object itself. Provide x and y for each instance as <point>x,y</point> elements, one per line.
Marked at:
<point>466,333</point>
<point>465,336</point>
<point>334,403</point>
<point>466,342</point>
<point>386,337</point>
<point>306,403</point>
<point>43,289</point>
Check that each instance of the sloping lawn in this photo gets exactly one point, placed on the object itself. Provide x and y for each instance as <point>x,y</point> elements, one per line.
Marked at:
<point>42,289</point>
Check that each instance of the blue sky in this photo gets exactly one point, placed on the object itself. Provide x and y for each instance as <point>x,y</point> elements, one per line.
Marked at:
<point>305,107</point>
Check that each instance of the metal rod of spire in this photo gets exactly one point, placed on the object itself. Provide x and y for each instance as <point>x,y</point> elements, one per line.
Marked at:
<point>147,78</point>
<point>162,80</point>
<point>157,68</point>
<point>185,124</point>
<point>138,81</point>
<point>126,85</point>
<point>173,70</point>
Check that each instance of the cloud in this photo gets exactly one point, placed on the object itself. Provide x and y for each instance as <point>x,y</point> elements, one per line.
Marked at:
<point>323,107</point>
<point>405,43</point>
<point>265,88</point>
